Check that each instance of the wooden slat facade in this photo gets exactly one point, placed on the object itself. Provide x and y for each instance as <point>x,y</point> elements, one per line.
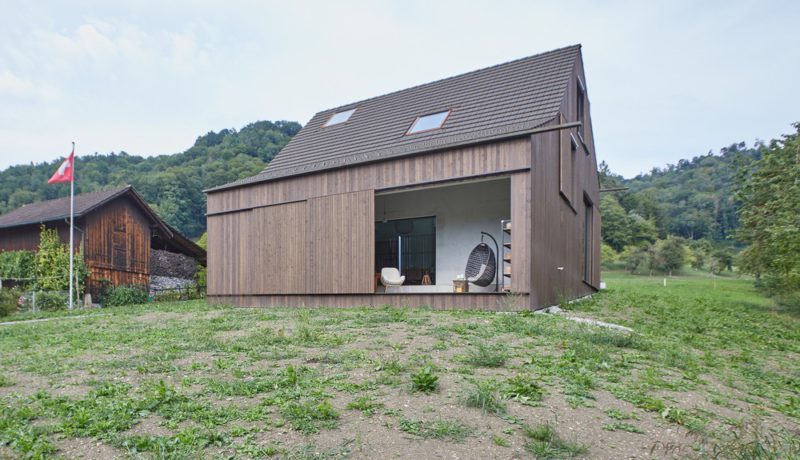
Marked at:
<point>341,244</point>
<point>454,164</point>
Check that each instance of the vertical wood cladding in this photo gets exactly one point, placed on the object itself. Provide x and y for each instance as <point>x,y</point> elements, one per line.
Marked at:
<point>278,245</point>
<point>520,232</point>
<point>321,246</point>
<point>558,219</point>
<point>451,164</point>
<point>117,245</point>
<point>341,241</point>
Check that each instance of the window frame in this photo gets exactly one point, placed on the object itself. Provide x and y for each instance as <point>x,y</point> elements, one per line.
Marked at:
<point>410,131</point>
<point>328,123</point>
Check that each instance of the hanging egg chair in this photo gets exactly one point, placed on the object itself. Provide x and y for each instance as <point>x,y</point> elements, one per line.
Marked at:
<point>481,265</point>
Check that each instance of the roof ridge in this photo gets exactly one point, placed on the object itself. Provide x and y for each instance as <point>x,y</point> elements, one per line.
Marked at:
<point>452,77</point>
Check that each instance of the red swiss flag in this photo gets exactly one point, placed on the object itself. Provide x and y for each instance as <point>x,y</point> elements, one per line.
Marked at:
<point>64,172</point>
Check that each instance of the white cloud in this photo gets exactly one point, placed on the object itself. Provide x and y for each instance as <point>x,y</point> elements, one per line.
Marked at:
<point>11,85</point>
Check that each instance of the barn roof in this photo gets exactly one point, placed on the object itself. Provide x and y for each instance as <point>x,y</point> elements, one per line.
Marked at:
<point>58,209</point>
<point>494,103</point>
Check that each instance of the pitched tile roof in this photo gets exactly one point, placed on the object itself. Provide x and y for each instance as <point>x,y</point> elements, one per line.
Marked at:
<point>487,104</point>
<point>58,209</point>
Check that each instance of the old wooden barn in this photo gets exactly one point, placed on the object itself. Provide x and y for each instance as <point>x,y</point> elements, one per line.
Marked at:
<point>115,230</point>
<point>386,201</point>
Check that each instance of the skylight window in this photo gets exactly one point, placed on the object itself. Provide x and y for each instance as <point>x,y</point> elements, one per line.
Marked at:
<point>428,122</point>
<point>339,117</point>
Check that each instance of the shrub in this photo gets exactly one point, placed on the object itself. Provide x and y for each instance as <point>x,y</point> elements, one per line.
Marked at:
<point>51,264</point>
<point>125,295</point>
<point>50,300</point>
<point>17,264</point>
<point>424,381</point>
<point>8,301</point>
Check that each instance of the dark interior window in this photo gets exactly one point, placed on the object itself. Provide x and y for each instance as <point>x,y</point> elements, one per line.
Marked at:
<point>409,245</point>
<point>588,221</point>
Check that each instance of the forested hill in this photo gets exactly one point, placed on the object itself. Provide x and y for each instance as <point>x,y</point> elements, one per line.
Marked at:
<point>693,199</point>
<point>172,184</point>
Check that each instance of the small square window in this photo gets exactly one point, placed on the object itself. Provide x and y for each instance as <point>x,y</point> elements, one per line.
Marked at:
<point>428,122</point>
<point>339,117</point>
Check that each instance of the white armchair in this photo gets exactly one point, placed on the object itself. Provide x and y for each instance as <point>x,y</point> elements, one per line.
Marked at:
<point>390,276</point>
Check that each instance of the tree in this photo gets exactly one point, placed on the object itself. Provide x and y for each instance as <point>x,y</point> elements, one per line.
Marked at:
<point>670,254</point>
<point>616,228</point>
<point>634,257</point>
<point>769,220</point>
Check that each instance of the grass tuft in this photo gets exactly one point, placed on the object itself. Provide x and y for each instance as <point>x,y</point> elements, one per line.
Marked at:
<point>545,443</point>
<point>486,355</point>
<point>484,397</point>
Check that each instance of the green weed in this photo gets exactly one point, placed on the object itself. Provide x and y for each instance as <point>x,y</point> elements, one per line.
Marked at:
<point>544,442</point>
<point>424,380</point>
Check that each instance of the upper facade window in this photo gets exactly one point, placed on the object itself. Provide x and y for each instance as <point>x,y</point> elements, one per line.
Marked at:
<point>580,109</point>
<point>339,117</point>
<point>428,122</point>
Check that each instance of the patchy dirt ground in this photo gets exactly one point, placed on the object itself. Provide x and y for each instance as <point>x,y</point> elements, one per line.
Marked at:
<point>186,380</point>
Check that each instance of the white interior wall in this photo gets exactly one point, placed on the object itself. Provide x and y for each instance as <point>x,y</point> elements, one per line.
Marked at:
<point>462,212</point>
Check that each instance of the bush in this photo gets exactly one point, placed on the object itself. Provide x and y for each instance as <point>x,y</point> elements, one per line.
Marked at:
<point>608,256</point>
<point>17,264</point>
<point>8,301</point>
<point>49,300</point>
<point>125,295</point>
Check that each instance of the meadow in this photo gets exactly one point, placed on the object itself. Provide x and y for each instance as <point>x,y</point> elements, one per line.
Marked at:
<point>712,370</point>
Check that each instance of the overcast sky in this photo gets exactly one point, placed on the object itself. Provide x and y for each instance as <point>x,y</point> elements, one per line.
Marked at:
<point>667,80</point>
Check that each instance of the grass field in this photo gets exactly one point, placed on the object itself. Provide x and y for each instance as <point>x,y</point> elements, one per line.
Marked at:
<point>712,371</point>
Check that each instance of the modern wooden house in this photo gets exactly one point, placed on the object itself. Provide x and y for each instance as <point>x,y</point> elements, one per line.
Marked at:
<point>414,180</point>
<point>115,230</point>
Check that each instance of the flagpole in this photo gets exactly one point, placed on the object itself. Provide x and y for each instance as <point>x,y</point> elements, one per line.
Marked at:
<point>71,225</point>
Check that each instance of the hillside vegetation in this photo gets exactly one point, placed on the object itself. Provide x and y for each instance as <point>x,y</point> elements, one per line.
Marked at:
<point>172,184</point>
<point>710,371</point>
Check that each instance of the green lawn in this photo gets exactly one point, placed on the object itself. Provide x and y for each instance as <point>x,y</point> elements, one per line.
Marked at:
<point>712,371</point>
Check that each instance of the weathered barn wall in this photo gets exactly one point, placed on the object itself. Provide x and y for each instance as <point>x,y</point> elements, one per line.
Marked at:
<point>27,237</point>
<point>117,245</point>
